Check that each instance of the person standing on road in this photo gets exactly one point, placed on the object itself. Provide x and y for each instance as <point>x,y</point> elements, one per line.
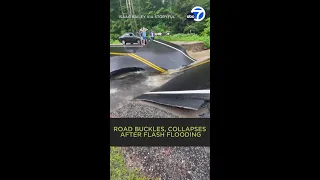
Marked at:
<point>141,35</point>
<point>141,39</point>
<point>152,35</point>
<point>144,35</point>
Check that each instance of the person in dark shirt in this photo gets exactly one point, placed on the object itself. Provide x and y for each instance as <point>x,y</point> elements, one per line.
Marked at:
<point>152,35</point>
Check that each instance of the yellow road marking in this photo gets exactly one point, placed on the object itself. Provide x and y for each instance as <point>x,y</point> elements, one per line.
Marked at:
<point>198,64</point>
<point>141,60</point>
<point>147,62</point>
<point>153,65</point>
<point>121,54</point>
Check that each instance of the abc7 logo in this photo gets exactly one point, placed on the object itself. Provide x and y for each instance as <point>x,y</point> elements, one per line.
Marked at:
<point>196,14</point>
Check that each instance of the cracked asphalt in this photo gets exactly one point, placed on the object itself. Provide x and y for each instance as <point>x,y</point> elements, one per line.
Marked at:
<point>164,163</point>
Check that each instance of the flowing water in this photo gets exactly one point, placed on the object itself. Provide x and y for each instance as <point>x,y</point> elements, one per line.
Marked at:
<point>125,87</point>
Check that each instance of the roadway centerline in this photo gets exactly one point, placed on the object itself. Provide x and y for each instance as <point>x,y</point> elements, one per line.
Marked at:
<point>120,45</point>
<point>147,62</point>
<point>121,54</point>
<point>141,60</point>
<point>197,64</point>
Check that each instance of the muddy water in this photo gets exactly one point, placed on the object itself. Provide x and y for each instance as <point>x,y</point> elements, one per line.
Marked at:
<point>125,87</point>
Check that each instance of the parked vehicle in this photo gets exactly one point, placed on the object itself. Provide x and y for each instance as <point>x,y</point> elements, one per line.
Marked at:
<point>129,38</point>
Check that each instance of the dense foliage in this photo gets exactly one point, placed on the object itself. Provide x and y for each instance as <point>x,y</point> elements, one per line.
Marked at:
<point>175,12</point>
<point>187,37</point>
<point>118,168</point>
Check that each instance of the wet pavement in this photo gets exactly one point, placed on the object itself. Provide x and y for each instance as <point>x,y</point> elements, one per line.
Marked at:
<point>125,87</point>
<point>154,56</point>
<point>166,163</point>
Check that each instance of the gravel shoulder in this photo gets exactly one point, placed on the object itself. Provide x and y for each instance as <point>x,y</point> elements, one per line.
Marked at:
<point>170,163</point>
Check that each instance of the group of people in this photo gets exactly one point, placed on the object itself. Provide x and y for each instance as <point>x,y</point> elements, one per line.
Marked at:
<point>143,35</point>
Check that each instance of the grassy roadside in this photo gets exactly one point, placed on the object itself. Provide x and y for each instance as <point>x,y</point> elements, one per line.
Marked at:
<point>114,41</point>
<point>118,169</point>
<point>179,37</point>
<point>187,38</point>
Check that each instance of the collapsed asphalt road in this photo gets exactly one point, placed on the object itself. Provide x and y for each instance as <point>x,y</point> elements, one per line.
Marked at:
<point>156,56</point>
<point>189,89</point>
<point>138,89</point>
<point>146,95</point>
<point>125,48</point>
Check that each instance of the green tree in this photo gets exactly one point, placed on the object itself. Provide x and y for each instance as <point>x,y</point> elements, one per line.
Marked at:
<point>176,8</point>
<point>206,30</point>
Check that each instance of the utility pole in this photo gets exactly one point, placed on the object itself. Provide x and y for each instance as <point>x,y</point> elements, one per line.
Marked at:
<point>129,12</point>
<point>134,14</point>
<point>130,8</point>
<point>127,6</point>
<point>139,12</point>
<point>121,7</point>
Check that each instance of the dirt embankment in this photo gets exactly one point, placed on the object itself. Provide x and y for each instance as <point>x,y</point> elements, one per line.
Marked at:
<point>199,56</point>
<point>195,49</point>
<point>194,46</point>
